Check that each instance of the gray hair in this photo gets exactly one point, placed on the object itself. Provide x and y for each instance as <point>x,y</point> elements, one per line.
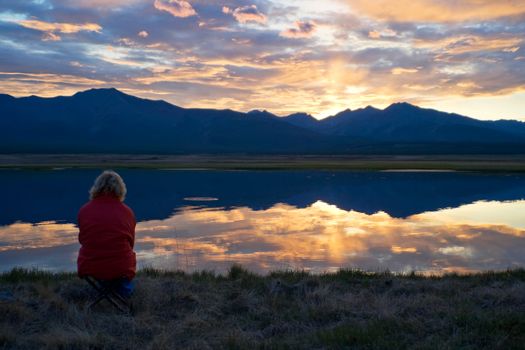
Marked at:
<point>108,183</point>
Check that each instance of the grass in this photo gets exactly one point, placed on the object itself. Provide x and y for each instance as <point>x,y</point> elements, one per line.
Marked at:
<point>281,310</point>
<point>496,163</point>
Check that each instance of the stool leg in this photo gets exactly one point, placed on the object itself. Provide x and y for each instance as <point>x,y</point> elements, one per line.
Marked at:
<point>96,301</point>
<point>107,292</point>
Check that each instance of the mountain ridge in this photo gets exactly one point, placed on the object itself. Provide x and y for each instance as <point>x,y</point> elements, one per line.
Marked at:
<point>368,107</point>
<point>110,121</point>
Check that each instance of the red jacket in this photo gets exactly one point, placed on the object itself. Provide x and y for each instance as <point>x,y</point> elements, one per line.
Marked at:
<point>107,237</point>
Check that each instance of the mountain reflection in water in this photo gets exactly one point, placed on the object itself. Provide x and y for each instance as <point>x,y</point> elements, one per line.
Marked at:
<point>485,235</point>
<point>36,196</point>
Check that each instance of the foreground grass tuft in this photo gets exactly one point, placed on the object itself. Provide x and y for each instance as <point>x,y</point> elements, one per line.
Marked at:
<point>284,309</point>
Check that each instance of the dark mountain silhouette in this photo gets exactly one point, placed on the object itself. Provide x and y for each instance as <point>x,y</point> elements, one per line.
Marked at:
<point>405,128</point>
<point>303,120</point>
<point>109,121</point>
<point>403,122</point>
<point>263,113</point>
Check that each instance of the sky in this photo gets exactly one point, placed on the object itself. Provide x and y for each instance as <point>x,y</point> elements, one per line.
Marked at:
<point>319,57</point>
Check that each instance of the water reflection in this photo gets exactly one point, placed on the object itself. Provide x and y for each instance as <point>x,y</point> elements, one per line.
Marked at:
<point>319,237</point>
<point>36,196</point>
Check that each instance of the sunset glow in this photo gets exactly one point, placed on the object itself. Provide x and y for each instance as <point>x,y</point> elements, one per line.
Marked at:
<point>319,237</point>
<point>318,57</point>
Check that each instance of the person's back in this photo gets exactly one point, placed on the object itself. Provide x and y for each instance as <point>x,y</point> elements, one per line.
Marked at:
<point>107,232</point>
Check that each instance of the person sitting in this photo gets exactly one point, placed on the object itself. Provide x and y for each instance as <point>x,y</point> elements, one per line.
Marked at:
<point>107,234</point>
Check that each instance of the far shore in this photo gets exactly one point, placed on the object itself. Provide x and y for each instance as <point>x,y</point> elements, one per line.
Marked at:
<point>492,163</point>
<point>281,310</point>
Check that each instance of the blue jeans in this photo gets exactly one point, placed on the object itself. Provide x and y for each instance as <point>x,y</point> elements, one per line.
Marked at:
<point>126,288</point>
<point>122,286</point>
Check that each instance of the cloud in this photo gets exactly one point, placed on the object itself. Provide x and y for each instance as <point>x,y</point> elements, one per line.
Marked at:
<point>51,28</point>
<point>386,33</point>
<point>215,24</point>
<point>188,73</point>
<point>511,49</point>
<point>356,59</point>
<point>49,36</point>
<point>462,44</point>
<point>66,28</point>
<point>178,8</point>
<point>44,84</point>
<point>245,14</point>
<point>399,71</point>
<point>301,30</point>
<point>95,3</point>
<point>437,10</point>
<point>374,34</point>
<point>49,78</point>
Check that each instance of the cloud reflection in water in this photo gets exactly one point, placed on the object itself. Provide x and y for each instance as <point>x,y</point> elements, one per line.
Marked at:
<point>319,237</point>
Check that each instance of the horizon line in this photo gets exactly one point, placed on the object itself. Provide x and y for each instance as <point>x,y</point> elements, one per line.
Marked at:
<point>264,110</point>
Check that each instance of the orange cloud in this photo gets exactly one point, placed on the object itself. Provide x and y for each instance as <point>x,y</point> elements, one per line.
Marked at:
<point>178,8</point>
<point>511,49</point>
<point>67,28</point>
<point>186,74</point>
<point>437,10</point>
<point>40,235</point>
<point>323,236</point>
<point>46,85</point>
<point>387,33</point>
<point>399,70</point>
<point>318,237</point>
<point>255,69</point>
<point>305,85</point>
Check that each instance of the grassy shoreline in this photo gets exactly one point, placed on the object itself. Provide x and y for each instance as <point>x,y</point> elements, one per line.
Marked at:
<point>242,310</point>
<point>496,163</point>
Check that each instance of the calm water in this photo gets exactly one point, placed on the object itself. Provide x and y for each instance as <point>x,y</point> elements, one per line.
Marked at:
<point>265,220</point>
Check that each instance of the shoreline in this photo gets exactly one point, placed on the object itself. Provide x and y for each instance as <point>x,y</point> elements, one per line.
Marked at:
<point>22,274</point>
<point>290,309</point>
<point>490,163</point>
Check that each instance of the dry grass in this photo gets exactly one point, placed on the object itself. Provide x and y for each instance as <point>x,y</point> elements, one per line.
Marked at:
<point>348,309</point>
<point>490,162</point>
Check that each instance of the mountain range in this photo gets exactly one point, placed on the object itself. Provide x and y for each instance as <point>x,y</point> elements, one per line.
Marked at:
<point>110,121</point>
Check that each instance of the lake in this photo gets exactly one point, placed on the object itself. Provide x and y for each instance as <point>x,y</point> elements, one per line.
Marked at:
<point>430,222</point>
